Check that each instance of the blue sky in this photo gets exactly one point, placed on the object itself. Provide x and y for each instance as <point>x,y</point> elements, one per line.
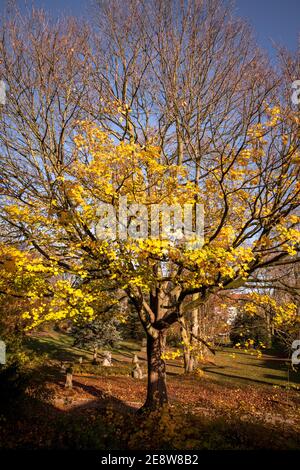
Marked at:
<point>272,20</point>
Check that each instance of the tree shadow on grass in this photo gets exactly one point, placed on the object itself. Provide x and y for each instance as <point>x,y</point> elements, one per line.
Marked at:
<point>287,379</point>
<point>237,377</point>
<point>129,354</point>
<point>35,420</point>
<point>131,349</point>
<point>280,366</point>
<point>53,350</point>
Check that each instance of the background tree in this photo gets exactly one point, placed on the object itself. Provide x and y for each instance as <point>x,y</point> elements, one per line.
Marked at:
<point>101,332</point>
<point>247,328</point>
<point>274,299</point>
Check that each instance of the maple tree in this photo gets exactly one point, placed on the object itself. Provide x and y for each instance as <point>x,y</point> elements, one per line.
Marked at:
<point>236,152</point>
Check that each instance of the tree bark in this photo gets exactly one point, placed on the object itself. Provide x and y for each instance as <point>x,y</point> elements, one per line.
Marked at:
<point>189,334</point>
<point>194,343</point>
<point>157,387</point>
<point>186,344</point>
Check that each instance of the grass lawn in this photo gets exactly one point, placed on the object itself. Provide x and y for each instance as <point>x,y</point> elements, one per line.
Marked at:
<point>242,367</point>
<point>233,401</point>
<point>235,366</point>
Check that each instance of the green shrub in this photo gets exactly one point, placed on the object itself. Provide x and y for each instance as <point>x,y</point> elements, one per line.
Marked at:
<point>245,327</point>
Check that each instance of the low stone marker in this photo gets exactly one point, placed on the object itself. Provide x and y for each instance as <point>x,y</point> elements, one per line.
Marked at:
<point>135,359</point>
<point>69,377</point>
<point>107,359</point>
<point>137,372</point>
<point>95,356</point>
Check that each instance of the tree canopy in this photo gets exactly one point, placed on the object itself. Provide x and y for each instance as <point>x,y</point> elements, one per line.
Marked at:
<point>170,103</point>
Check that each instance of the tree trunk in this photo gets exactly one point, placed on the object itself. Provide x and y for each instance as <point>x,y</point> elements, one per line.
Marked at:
<point>189,334</point>
<point>269,329</point>
<point>194,343</point>
<point>186,344</point>
<point>157,387</point>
